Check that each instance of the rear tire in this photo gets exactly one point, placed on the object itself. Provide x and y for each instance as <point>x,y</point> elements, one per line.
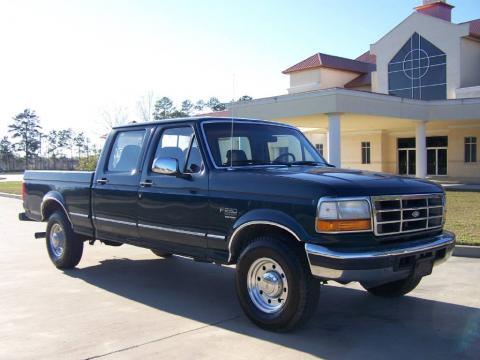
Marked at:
<point>64,247</point>
<point>395,288</point>
<point>161,253</point>
<point>274,285</point>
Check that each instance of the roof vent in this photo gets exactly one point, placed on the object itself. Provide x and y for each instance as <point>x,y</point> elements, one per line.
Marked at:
<point>436,8</point>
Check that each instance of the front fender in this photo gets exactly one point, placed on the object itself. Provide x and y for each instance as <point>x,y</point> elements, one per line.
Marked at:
<point>265,217</point>
<point>275,217</point>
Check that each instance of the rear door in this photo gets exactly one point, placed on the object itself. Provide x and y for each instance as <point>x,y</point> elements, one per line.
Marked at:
<point>115,188</point>
<point>173,211</point>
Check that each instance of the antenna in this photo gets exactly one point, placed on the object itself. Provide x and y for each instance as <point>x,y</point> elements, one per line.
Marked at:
<point>231,124</point>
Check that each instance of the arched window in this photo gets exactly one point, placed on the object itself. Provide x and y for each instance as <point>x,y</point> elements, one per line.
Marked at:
<point>418,71</point>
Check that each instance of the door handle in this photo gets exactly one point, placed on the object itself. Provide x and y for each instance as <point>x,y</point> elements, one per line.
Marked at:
<point>102,181</point>
<point>146,183</point>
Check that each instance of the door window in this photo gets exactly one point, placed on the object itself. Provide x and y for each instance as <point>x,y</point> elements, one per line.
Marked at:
<point>126,151</point>
<point>180,143</point>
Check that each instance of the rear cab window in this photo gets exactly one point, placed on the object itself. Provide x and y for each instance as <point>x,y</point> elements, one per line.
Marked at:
<point>125,153</point>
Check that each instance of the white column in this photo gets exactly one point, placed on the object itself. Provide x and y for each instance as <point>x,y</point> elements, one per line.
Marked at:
<point>421,149</point>
<point>334,142</point>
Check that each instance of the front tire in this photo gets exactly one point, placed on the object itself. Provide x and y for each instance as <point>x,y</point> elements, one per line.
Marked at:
<point>395,288</point>
<point>64,247</point>
<point>274,284</point>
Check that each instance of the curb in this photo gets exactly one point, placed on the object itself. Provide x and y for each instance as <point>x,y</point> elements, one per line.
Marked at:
<point>11,196</point>
<point>467,251</point>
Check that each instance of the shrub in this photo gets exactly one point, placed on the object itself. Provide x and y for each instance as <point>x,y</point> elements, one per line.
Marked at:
<point>88,163</point>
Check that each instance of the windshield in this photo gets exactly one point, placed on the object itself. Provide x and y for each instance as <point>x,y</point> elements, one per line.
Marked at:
<point>259,144</point>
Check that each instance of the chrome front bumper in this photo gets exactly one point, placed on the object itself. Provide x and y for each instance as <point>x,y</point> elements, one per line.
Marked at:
<point>378,266</point>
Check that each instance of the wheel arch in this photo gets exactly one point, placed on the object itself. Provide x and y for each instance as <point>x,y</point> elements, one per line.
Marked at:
<point>260,222</point>
<point>51,202</point>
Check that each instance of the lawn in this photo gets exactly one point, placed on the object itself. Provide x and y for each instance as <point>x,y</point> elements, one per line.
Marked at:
<point>11,187</point>
<point>463,212</point>
<point>463,216</point>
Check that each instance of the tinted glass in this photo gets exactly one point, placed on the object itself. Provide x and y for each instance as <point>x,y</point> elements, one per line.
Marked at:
<point>258,144</point>
<point>470,149</point>
<point>194,161</point>
<point>418,71</point>
<point>406,143</point>
<point>442,161</point>
<point>126,151</point>
<point>437,141</point>
<point>365,152</point>
<point>175,143</point>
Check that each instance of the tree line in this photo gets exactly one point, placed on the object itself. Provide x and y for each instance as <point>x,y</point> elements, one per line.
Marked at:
<point>164,108</point>
<point>28,139</point>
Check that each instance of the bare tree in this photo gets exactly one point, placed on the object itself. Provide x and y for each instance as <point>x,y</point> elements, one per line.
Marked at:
<point>111,117</point>
<point>145,107</point>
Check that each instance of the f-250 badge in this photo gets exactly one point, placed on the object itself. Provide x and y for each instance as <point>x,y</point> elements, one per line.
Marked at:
<point>229,213</point>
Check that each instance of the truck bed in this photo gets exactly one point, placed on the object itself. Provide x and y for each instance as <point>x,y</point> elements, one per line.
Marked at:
<point>70,189</point>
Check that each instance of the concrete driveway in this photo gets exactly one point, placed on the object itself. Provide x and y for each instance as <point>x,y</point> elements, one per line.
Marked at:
<point>126,303</point>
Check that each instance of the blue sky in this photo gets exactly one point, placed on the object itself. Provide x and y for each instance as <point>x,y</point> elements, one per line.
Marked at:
<point>69,60</point>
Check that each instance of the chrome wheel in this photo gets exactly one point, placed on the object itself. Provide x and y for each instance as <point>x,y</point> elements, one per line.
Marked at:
<point>57,240</point>
<point>267,285</point>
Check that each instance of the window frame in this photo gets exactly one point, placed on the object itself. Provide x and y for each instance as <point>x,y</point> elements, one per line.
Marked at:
<point>320,149</point>
<point>137,168</point>
<point>366,152</point>
<point>212,159</point>
<point>470,143</point>
<point>156,141</point>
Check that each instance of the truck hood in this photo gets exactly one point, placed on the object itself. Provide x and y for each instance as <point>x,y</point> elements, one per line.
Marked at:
<point>343,182</point>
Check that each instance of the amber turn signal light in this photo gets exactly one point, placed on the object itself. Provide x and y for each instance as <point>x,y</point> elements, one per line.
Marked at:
<point>343,225</point>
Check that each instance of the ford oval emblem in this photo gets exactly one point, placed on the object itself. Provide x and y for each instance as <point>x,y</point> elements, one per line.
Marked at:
<point>416,214</point>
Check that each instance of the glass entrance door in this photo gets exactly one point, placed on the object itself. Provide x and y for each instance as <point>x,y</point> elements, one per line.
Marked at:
<point>436,161</point>
<point>406,162</point>
<point>437,156</point>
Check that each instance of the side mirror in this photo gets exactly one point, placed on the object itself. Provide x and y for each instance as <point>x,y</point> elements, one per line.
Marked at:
<point>166,166</point>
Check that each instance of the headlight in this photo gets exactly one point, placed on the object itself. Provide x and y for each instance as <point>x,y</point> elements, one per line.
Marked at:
<point>338,215</point>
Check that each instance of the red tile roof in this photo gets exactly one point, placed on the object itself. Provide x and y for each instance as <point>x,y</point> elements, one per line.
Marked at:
<point>367,57</point>
<point>362,80</point>
<point>320,60</point>
<point>475,28</point>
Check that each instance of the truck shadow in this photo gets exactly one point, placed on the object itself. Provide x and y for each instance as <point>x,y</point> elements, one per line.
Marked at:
<point>349,323</point>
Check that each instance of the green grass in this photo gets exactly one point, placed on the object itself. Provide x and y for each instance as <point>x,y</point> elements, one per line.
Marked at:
<point>463,216</point>
<point>463,212</point>
<point>11,187</point>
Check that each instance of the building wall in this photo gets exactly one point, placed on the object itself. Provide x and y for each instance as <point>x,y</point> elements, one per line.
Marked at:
<point>352,151</point>
<point>317,79</point>
<point>443,34</point>
<point>470,63</point>
<point>456,165</point>
<point>383,132</point>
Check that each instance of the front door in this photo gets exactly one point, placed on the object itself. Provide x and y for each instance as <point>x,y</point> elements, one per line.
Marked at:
<point>115,188</point>
<point>173,210</point>
<point>436,155</point>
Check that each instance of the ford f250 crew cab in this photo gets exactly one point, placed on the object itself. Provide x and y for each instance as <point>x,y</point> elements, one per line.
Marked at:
<point>251,193</point>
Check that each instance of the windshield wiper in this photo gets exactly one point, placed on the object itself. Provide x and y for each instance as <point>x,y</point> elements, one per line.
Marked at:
<point>307,162</point>
<point>251,162</point>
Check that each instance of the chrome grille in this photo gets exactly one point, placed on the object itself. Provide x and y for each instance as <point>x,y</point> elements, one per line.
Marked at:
<point>396,214</point>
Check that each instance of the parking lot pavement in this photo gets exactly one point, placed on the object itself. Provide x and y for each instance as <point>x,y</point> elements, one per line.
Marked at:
<point>123,302</point>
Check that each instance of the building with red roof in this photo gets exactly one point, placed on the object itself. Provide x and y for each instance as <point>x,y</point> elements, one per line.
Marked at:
<point>409,105</point>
